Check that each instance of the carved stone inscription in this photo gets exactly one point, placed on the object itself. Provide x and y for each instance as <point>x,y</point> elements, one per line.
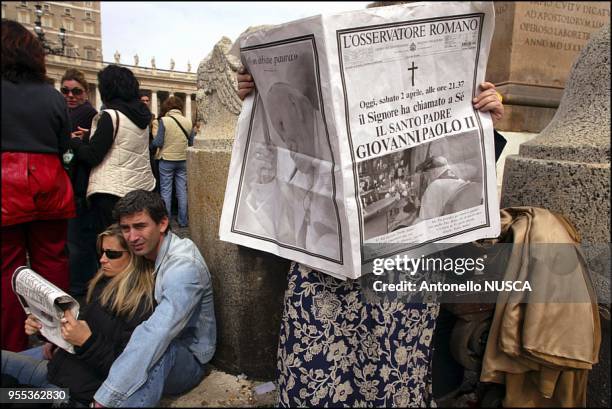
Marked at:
<point>561,26</point>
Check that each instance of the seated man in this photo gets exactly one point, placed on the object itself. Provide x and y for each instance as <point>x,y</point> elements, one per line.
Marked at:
<point>168,352</point>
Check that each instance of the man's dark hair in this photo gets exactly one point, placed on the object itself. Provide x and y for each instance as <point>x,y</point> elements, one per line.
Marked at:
<point>139,200</point>
<point>117,82</point>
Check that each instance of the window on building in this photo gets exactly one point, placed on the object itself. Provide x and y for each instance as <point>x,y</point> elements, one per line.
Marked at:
<point>72,51</point>
<point>90,54</point>
<point>46,7</point>
<point>47,21</point>
<point>24,4</point>
<point>88,14</point>
<point>89,28</point>
<point>89,4</point>
<point>23,16</point>
<point>68,11</point>
<point>68,24</point>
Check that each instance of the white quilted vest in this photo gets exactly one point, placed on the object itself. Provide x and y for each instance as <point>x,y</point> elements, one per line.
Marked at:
<point>126,166</point>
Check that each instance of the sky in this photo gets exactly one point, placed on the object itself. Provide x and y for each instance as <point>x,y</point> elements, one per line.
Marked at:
<point>187,31</point>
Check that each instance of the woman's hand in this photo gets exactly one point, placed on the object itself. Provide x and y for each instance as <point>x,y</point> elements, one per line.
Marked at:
<point>73,331</point>
<point>32,325</point>
<point>489,101</point>
<point>245,83</point>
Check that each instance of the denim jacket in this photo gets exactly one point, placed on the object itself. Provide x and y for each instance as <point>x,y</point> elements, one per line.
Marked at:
<point>184,312</point>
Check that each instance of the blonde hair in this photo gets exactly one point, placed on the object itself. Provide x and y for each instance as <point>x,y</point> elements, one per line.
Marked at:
<point>126,290</point>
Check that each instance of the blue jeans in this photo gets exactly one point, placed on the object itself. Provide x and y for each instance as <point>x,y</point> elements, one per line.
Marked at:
<point>26,369</point>
<point>176,372</point>
<point>170,171</point>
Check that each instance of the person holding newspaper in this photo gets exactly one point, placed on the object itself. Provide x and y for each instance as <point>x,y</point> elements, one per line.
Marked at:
<point>355,353</point>
<point>119,297</point>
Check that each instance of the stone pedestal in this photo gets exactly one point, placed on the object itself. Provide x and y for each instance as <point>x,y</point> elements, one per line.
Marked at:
<point>533,48</point>
<point>248,285</point>
<point>566,169</point>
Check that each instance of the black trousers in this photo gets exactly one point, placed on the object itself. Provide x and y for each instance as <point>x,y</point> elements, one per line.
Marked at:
<point>102,205</point>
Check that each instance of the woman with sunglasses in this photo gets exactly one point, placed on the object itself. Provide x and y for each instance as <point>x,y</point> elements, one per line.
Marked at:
<point>37,196</point>
<point>119,298</point>
<point>81,233</point>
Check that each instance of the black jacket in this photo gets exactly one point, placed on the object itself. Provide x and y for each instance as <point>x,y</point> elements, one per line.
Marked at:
<point>34,118</point>
<point>84,372</point>
<point>81,116</point>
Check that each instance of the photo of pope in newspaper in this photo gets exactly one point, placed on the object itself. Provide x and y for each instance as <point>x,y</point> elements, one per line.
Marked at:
<point>286,192</point>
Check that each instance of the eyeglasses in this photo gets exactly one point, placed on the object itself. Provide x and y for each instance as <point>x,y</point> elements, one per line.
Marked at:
<point>112,254</point>
<point>75,91</point>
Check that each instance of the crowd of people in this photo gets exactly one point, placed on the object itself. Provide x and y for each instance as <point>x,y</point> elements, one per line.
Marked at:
<point>80,206</point>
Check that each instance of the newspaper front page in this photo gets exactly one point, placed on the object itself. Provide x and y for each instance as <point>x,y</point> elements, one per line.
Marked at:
<point>46,302</point>
<point>361,141</point>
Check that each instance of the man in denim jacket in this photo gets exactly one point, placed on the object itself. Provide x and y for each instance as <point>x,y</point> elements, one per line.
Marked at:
<point>168,352</point>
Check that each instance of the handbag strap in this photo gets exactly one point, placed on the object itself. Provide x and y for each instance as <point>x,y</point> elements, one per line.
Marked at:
<point>180,126</point>
<point>117,125</point>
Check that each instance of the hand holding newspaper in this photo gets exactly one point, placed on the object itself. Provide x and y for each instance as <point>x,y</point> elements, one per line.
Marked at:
<point>46,302</point>
<point>361,141</point>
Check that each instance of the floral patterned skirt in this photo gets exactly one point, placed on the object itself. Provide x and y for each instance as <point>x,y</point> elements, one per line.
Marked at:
<point>335,349</point>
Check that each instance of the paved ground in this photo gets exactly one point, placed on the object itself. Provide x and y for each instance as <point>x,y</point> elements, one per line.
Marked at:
<point>219,389</point>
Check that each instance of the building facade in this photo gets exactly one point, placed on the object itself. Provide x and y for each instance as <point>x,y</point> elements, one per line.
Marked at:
<point>83,24</point>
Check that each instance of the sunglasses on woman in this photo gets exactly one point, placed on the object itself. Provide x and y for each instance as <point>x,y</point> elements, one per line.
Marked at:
<point>112,254</point>
<point>75,91</point>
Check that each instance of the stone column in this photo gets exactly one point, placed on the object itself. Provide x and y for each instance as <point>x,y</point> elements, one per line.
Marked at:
<point>154,108</point>
<point>566,169</point>
<point>97,98</point>
<point>188,106</point>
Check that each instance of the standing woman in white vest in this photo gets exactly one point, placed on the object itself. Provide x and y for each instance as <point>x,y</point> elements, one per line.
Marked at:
<point>118,148</point>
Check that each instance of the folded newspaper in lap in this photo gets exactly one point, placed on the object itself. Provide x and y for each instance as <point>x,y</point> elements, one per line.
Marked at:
<point>361,141</point>
<point>46,302</point>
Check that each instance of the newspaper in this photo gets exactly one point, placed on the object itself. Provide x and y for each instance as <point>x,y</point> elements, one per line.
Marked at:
<point>46,302</point>
<point>361,140</point>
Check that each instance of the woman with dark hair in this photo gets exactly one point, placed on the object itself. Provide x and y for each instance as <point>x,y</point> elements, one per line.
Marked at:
<point>37,197</point>
<point>173,137</point>
<point>81,234</point>
<point>118,149</point>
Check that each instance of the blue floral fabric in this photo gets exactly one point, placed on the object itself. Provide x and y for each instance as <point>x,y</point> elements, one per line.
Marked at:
<point>337,350</point>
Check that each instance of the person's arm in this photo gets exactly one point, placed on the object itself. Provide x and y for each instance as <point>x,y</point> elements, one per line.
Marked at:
<point>158,141</point>
<point>100,350</point>
<point>100,142</point>
<point>181,293</point>
<point>191,136</point>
